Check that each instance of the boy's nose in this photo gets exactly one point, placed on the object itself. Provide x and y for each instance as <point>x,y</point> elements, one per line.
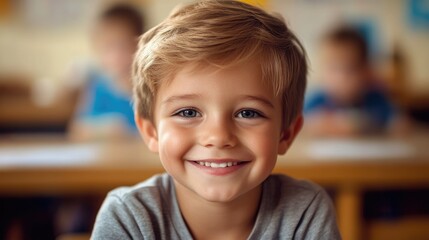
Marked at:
<point>219,134</point>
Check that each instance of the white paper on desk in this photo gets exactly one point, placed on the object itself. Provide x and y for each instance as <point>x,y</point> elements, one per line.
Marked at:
<point>66,155</point>
<point>358,150</point>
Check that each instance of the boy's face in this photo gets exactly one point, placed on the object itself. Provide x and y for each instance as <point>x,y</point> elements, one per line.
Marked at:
<point>218,131</point>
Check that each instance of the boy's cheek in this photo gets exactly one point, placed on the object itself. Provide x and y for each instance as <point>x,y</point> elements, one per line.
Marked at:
<point>173,142</point>
<point>262,144</point>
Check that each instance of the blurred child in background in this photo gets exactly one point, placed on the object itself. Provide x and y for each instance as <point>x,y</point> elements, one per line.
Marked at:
<point>348,101</point>
<point>105,110</point>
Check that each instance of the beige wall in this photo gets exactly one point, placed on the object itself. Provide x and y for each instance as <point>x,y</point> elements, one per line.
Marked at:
<point>47,53</point>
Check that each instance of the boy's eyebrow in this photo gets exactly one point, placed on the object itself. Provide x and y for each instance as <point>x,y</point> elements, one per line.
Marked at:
<point>180,97</point>
<point>259,99</point>
<point>193,96</point>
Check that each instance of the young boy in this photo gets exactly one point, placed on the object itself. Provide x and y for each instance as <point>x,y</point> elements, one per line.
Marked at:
<point>218,91</point>
<point>347,102</point>
<point>106,110</point>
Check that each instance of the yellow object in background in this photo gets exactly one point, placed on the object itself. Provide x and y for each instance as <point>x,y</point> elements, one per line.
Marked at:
<point>259,3</point>
<point>4,8</point>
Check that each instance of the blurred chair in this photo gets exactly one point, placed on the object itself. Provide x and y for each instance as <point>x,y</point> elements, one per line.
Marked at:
<point>19,113</point>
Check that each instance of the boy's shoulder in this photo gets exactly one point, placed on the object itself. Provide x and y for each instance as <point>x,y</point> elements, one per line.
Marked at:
<point>156,185</point>
<point>292,187</point>
<point>288,181</point>
<point>147,210</point>
<point>293,196</point>
<point>152,196</point>
<point>292,208</point>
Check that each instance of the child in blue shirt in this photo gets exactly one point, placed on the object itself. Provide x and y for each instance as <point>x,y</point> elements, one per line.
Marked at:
<point>105,109</point>
<point>347,102</point>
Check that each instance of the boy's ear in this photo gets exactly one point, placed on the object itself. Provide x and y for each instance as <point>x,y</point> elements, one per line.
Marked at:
<point>288,134</point>
<point>148,132</point>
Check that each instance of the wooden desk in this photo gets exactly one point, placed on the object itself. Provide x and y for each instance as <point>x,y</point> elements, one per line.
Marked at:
<point>100,167</point>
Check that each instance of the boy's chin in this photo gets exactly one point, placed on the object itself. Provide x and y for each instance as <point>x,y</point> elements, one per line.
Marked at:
<point>216,194</point>
<point>224,195</point>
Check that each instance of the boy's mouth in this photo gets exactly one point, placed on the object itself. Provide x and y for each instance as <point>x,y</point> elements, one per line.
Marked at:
<point>219,167</point>
<point>219,164</point>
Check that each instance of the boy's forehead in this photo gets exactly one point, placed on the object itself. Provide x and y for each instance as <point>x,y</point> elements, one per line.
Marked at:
<point>194,76</point>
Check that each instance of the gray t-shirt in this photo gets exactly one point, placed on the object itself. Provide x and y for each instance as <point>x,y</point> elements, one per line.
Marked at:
<point>289,209</point>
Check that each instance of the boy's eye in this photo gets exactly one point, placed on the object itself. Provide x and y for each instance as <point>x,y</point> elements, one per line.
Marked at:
<point>188,113</point>
<point>248,114</point>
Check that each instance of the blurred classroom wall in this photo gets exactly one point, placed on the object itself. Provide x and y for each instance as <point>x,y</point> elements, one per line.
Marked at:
<point>40,41</point>
<point>42,38</point>
<point>390,24</point>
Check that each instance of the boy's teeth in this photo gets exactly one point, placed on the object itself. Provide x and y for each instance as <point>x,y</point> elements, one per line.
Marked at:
<point>218,165</point>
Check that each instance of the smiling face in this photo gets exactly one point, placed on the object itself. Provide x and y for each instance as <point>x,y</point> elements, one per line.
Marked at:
<point>217,131</point>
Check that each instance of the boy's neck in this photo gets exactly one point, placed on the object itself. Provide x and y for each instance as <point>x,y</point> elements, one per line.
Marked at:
<point>213,220</point>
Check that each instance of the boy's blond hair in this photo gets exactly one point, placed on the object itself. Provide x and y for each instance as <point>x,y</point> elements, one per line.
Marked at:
<point>221,33</point>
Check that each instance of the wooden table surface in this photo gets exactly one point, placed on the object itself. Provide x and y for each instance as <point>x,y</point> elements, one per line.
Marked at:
<point>53,165</point>
<point>92,166</point>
